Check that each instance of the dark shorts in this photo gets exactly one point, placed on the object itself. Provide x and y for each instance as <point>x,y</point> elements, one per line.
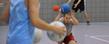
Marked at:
<point>68,38</point>
<point>79,7</point>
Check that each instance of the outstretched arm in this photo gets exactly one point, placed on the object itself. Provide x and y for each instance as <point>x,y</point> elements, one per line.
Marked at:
<point>58,17</point>
<point>77,3</point>
<point>34,6</point>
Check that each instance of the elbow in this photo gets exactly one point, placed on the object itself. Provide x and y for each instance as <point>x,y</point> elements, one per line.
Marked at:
<point>76,23</point>
<point>33,21</point>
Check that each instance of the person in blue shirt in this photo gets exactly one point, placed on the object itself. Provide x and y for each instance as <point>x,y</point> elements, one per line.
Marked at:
<point>22,16</point>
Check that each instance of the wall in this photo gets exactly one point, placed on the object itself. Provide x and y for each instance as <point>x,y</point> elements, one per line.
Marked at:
<point>98,9</point>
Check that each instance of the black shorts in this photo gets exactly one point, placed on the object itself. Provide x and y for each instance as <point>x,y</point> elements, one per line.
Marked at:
<point>79,7</point>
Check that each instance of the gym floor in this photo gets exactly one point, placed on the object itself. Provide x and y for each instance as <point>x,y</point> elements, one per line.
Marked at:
<point>96,33</point>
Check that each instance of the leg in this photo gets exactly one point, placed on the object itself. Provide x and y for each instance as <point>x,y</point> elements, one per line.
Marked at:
<point>69,39</point>
<point>86,17</point>
<point>72,42</point>
<point>61,43</point>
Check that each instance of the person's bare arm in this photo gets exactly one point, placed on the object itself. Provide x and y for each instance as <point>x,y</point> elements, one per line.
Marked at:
<point>34,6</point>
<point>69,1</point>
<point>5,16</point>
<point>77,3</point>
<point>74,20</point>
<point>58,16</point>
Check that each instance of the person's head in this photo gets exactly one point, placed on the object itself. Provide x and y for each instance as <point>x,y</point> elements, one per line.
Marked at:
<point>65,8</point>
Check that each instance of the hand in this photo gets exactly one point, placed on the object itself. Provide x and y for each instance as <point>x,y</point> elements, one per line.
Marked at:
<point>67,19</point>
<point>59,29</point>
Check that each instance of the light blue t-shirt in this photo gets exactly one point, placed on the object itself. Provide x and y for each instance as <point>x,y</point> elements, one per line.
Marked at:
<point>20,28</point>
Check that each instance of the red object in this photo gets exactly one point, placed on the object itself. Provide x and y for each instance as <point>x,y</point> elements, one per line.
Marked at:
<point>68,39</point>
<point>56,8</point>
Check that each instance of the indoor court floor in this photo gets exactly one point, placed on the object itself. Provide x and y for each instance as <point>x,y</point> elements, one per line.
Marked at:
<point>96,33</point>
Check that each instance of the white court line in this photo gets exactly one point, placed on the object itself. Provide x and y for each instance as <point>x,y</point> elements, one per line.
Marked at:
<point>101,35</point>
<point>103,40</point>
